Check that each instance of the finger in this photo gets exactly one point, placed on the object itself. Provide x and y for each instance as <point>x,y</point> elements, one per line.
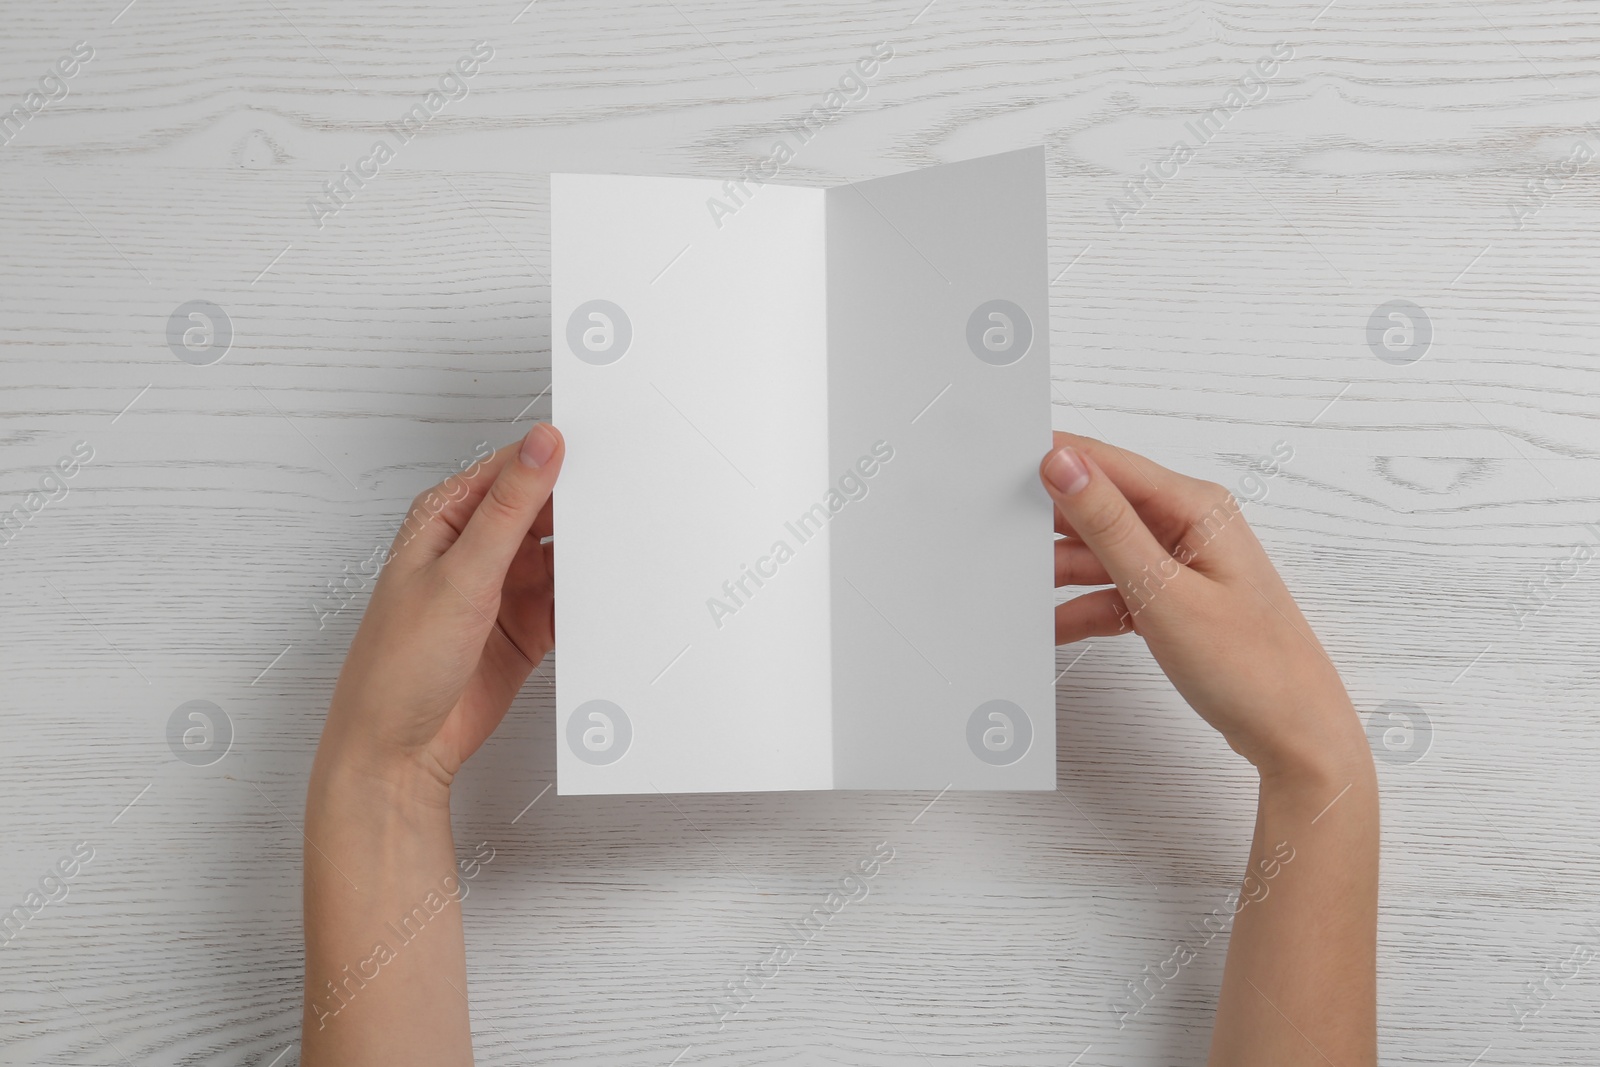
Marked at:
<point>505,515</point>
<point>1099,614</point>
<point>526,598</point>
<point>1076,565</point>
<point>544,525</point>
<point>1168,502</point>
<point>1105,520</point>
<point>543,530</point>
<point>439,513</point>
<point>1140,478</point>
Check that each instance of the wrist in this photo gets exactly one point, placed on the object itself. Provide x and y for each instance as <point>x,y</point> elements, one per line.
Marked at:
<point>1319,741</point>
<point>1322,767</point>
<point>353,774</point>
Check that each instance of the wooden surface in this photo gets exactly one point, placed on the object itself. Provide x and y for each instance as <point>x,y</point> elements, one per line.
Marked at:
<point>373,353</point>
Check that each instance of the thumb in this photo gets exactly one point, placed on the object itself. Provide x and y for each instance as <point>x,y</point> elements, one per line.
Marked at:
<point>1106,522</point>
<point>486,547</point>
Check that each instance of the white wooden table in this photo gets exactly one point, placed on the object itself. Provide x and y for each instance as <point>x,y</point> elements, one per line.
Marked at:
<point>369,354</point>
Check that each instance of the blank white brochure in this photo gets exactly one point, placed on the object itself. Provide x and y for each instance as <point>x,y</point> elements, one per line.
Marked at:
<point>800,538</point>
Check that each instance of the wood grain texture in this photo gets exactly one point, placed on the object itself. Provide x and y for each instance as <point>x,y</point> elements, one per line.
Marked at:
<point>373,352</point>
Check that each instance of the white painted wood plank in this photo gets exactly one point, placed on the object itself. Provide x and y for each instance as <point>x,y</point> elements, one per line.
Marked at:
<point>373,352</point>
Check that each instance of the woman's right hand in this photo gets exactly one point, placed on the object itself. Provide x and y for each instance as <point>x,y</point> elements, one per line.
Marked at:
<point>1193,581</point>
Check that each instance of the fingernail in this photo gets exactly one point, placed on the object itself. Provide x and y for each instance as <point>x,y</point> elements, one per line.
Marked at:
<point>538,446</point>
<point>1066,471</point>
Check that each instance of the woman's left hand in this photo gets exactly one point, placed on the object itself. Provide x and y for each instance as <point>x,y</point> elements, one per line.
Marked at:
<point>462,613</point>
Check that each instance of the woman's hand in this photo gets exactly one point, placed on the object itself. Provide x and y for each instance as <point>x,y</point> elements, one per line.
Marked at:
<point>1300,985</point>
<point>1193,581</point>
<point>462,612</point>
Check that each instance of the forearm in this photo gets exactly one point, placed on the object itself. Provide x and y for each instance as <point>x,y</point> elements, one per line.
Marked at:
<point>385,957</point>
<point>1300,983</point>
